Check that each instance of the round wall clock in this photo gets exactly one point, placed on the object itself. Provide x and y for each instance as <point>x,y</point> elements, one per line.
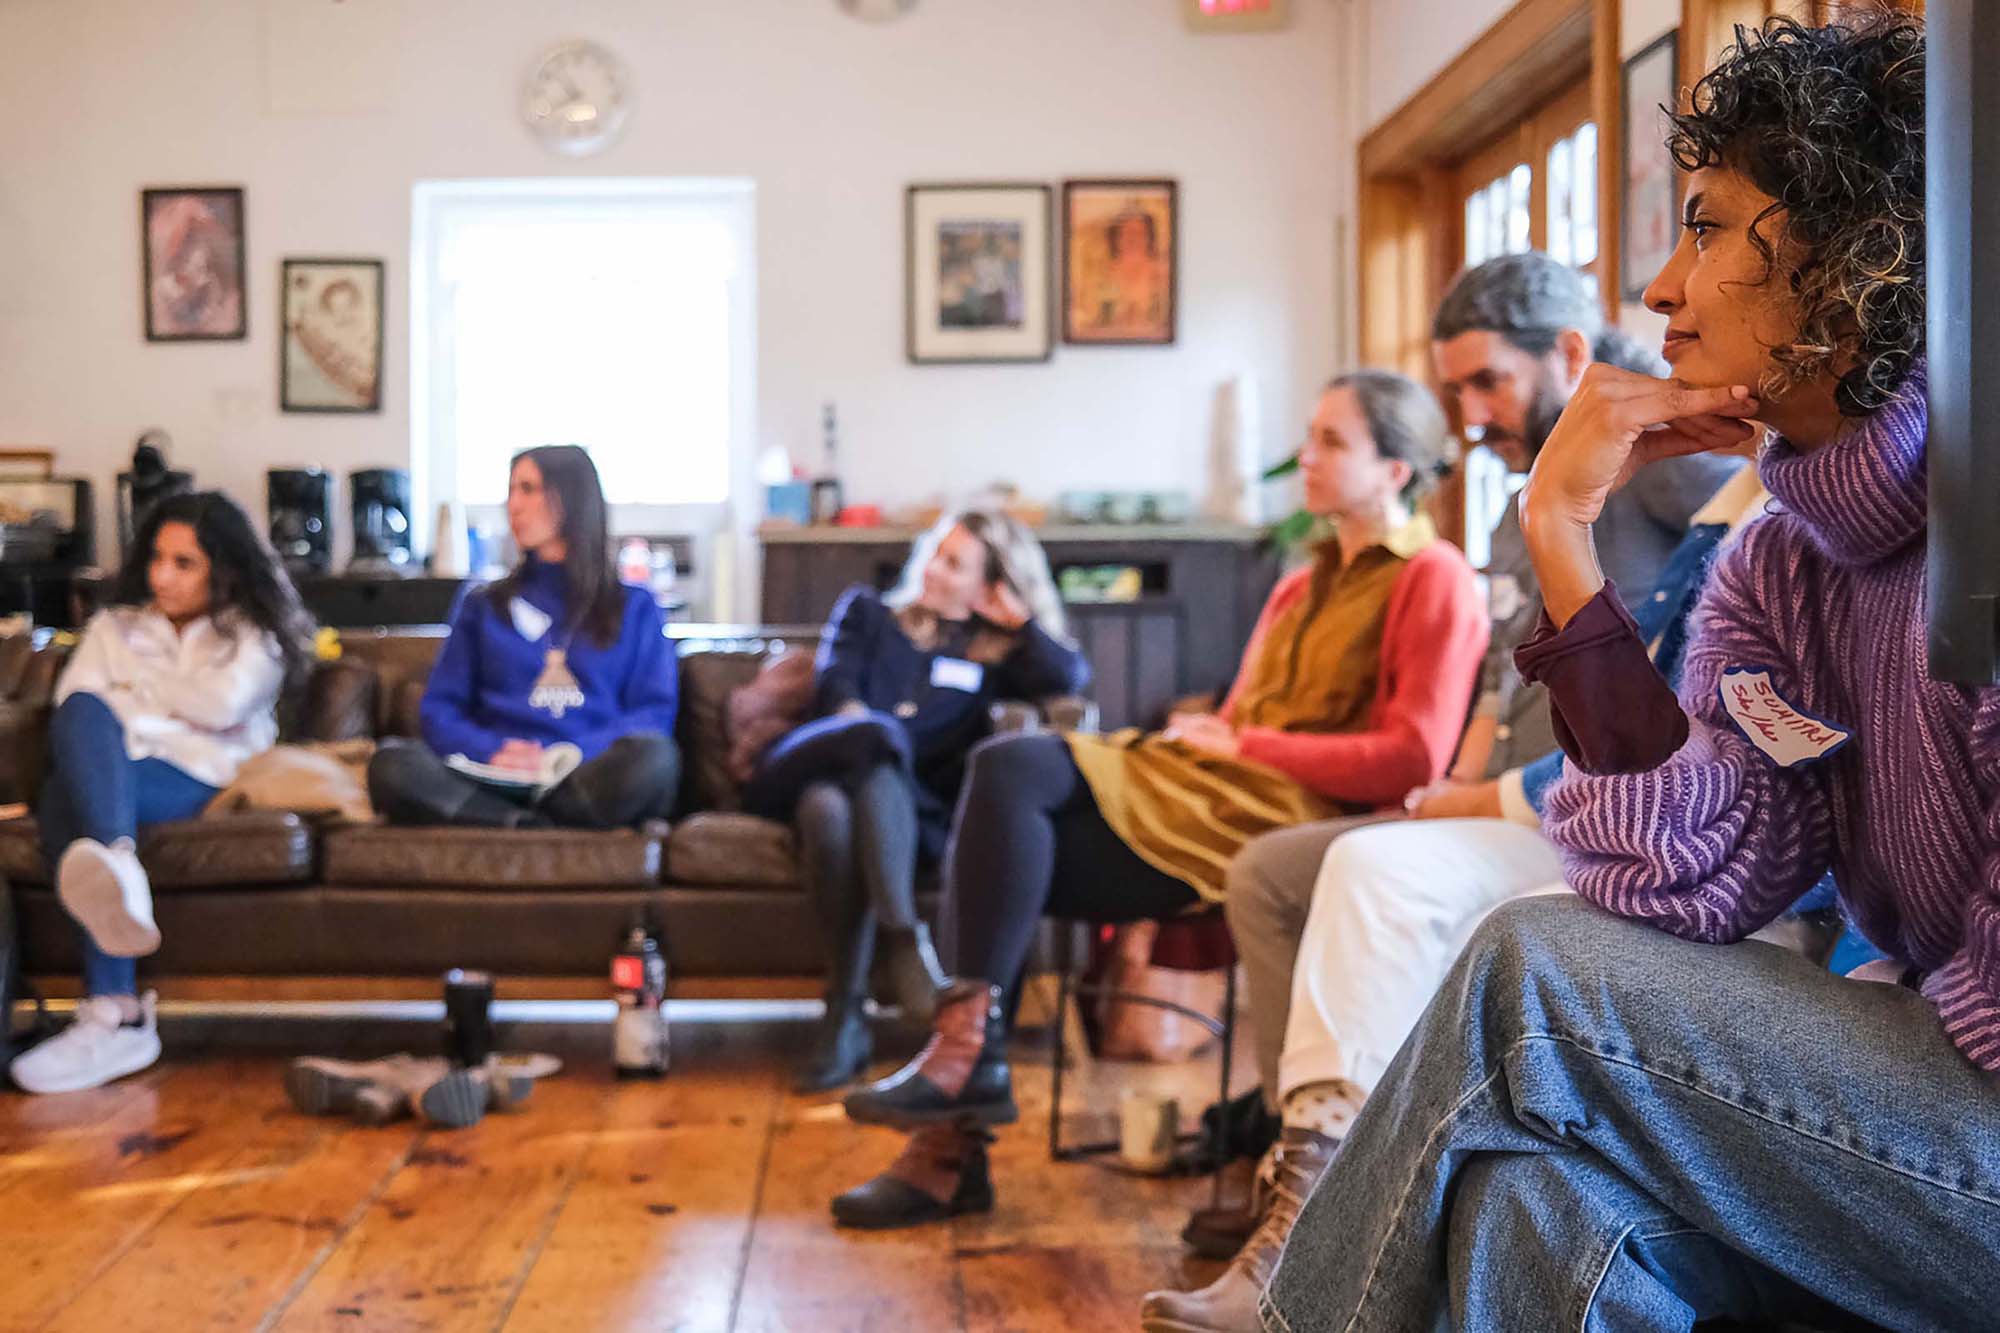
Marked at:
<point>576,98</point>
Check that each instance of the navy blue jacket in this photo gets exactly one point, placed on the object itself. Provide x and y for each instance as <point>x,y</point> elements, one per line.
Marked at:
<point>865,657</point>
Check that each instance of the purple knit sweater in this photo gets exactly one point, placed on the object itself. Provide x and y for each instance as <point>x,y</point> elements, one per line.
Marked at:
<point>1827,593</point>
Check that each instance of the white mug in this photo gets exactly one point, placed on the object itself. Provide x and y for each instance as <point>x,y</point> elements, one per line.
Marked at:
<point>1149,1129</point>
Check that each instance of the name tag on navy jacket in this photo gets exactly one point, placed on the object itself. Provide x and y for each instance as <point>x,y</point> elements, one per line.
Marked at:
<point>952,673</point>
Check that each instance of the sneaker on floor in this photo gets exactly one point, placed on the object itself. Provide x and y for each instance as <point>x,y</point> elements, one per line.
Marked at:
<point>97,1047</point>
<point>106,889</point>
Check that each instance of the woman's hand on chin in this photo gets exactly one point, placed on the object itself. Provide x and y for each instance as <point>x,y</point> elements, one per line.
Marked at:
<point>1617,423</point>
<point>1000,605</point>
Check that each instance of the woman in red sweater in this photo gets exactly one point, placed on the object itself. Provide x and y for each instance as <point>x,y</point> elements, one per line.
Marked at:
<point>1352,692</point>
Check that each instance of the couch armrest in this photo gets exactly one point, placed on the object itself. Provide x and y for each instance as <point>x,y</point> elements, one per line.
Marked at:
<point>24,732</point>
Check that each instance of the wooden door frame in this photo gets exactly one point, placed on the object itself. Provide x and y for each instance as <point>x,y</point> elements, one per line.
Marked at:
<point>1410,220</point>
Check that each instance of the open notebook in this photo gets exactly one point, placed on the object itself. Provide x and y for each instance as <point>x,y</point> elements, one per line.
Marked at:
<point>558,762</point>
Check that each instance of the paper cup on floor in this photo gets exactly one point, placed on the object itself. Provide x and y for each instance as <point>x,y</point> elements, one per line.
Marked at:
<point>1149,1128</point>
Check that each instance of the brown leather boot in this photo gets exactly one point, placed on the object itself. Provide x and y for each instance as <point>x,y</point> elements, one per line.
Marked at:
<point>941,1173</point>
<point>959,1077</point>
<point>1229,1304</point>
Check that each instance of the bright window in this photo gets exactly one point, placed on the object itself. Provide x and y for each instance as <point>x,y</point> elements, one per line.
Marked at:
<point>1573,197</point>
<point>611,314</point>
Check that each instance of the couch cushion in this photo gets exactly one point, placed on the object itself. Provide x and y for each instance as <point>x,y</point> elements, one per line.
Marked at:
<point>499,860</point>
<point>231,851</point>
<point>716,847</point>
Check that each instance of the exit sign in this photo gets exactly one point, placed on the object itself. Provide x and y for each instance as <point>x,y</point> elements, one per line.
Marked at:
<point>1236,15</point>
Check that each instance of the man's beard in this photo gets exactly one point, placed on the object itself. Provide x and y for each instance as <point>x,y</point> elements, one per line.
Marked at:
<point>1545,408</point>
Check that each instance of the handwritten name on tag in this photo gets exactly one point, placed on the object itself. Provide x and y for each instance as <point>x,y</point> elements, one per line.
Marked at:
<point>1787,735</point>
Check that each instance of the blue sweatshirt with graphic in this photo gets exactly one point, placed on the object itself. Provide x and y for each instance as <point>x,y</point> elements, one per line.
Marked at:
<point>482,692</point>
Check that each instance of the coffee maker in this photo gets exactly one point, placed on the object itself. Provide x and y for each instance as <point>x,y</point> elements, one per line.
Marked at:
<point>149,480</point>
<point>300,503</point>
<point>380,501</point>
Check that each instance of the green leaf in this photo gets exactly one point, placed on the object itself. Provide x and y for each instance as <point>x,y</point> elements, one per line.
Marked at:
<point>1282,469</point>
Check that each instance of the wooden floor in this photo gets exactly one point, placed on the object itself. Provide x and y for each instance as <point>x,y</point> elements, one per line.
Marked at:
<point>193,1197</point>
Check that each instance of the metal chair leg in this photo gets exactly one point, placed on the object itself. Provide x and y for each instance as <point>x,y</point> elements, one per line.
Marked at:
<point>1222,1093</point>
<point>1059,1058</point>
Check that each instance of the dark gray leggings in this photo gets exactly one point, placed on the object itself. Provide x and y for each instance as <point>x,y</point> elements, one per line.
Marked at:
<point>1028,841</point>
<point>635,779</point>
<point>859,842</point>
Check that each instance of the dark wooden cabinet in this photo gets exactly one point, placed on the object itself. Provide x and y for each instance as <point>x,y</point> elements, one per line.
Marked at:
<point>1203,587</point>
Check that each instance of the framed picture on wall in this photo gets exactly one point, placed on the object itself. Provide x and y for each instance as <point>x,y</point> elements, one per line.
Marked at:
<point>330,357</point>
<point>1649,194</point>
<point>191,247</point>
<point>1121,247</point>
<point>978,282</point>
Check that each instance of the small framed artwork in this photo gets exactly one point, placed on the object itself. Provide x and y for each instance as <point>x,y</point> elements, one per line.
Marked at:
<point>1121,245</point>
<point>978,285</point>
<point>1649,194</point>
<point>192,258</point>
<point>330,358</point>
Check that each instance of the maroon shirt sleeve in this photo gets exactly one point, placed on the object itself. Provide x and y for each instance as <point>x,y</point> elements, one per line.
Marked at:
<point>1613,712</point>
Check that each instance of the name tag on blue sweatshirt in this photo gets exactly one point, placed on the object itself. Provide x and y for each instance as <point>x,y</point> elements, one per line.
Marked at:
<point>952,673</point>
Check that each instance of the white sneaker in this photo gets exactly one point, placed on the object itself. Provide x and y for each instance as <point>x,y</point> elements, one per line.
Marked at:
<point>106,889</point>
<point>95,1048</point>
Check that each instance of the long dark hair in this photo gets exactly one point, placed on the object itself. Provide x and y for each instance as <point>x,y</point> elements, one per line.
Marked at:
<point>244,575</point>
<point>596,598</point>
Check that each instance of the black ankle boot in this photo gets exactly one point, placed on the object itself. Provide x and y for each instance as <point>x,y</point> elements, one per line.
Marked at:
<point>893,1199</point>
<point>841,1049</point>
<point>961,1075</point>
<point>915,979</point>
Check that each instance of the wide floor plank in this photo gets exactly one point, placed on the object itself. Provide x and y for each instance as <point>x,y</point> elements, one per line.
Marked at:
<point>192,1197</point>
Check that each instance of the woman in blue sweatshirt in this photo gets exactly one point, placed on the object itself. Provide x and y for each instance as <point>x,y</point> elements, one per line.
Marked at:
<point>904,688</point>
<point>558,652</point>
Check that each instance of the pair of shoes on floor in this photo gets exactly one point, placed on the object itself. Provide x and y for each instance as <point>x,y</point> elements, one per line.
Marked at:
<point>1229,1304</point>
<point>376,1092</point>
<point>98,1046</point>
<point>106,890</point>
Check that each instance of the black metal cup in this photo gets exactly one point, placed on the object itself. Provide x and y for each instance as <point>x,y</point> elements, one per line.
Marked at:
<point>468,1016</point>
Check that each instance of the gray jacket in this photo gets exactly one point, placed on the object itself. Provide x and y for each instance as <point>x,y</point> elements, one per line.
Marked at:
<point>1639,528</point>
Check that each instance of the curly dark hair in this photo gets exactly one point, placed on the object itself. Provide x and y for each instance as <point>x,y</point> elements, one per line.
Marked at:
<point>1830,123</point>
<point>244,575</point>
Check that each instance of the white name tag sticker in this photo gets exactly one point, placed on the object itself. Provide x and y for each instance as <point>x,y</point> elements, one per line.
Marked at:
<point>952,673</point>
<point>1788,735</point>
<point>530,621</point>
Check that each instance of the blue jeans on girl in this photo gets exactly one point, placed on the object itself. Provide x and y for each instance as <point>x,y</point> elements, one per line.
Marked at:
<point>1597,1126</point>
<point>94,791</point>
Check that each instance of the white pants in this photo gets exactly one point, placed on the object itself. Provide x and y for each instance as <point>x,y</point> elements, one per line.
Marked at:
<point>1392,908</point>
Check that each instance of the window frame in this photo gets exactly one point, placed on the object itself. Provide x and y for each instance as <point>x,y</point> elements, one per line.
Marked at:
<point>722,531</point>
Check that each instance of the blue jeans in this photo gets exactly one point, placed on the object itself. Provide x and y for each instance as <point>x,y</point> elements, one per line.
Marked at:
<point>1597,1126</point>
<point>94,791</point>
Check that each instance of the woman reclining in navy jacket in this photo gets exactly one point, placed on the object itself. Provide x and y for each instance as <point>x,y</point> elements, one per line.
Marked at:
<point>903,689</point>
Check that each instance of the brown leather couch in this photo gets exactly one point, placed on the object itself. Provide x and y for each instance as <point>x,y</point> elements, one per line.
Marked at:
<point>261,894</point>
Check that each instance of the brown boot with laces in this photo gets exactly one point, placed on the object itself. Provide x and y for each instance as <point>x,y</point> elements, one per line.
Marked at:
<point>1229,1304</point>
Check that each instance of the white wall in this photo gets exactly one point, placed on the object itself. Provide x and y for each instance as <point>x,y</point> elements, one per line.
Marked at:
<point>1409,41</point>
<point>829,116</point>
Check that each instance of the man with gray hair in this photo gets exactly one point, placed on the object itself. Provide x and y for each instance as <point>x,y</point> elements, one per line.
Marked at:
<point>1345,927</point>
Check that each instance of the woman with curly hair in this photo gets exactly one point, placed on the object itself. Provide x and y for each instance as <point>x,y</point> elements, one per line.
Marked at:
<point>172,688</point>
<point>1615,1114</point>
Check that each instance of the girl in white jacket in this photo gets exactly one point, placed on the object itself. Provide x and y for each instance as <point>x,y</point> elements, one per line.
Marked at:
<point>172,688</point>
